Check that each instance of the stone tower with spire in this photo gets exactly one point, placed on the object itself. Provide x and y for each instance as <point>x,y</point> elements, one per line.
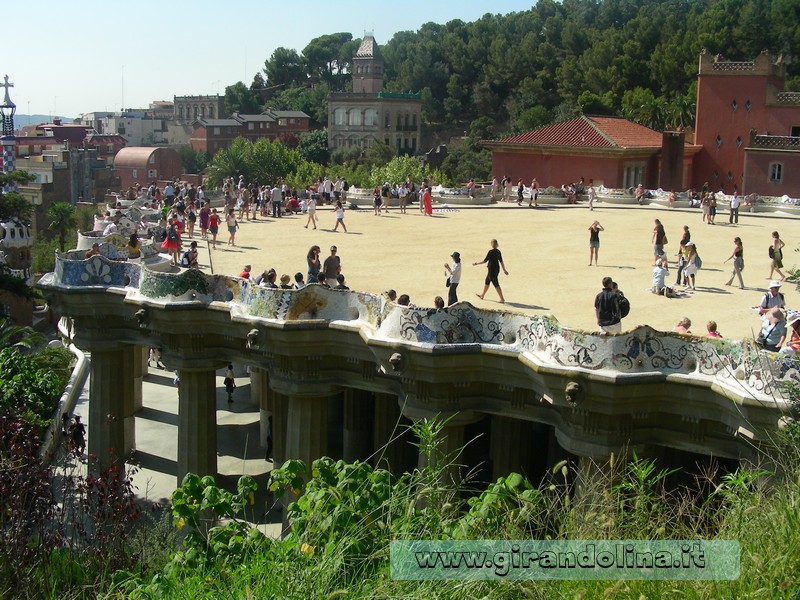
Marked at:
<point>367,67</point>
<point>369,114</point>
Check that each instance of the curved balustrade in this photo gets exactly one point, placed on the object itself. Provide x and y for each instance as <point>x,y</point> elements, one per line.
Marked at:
<point>739,367</point>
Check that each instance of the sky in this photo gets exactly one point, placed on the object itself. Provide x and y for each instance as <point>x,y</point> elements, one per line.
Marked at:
<point>69,58</point>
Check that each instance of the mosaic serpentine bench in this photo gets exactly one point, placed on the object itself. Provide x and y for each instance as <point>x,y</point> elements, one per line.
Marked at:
<point>739,368</point>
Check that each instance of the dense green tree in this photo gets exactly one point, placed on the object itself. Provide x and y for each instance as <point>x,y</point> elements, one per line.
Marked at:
<point>285,67</point>
<point>239,98</point>
<point>325,59</point>
<point>230,162</point>
<point>312,100</point>
<point>194,161</point>
<point>313,146</point>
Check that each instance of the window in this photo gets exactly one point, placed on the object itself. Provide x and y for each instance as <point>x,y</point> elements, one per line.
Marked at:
<point>216,130</point>
<point>795,131</point>
<point>775,172</point>
<point>282,122</point>
<point>371,117</point>
<point>633,175</point>
<point>386,121</point>
<point>748,106</point>
<point>134,173</point>
<point>249,127</point>
<point>354,117</point>
<point>339,116</point>
<point>718,141</point>
<point>734,106</point>
<point>738,141</point>
<point>152,159</point>
<point>121,130</point>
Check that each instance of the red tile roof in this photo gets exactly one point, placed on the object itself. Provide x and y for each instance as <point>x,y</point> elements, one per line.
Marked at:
<point>591,132</point>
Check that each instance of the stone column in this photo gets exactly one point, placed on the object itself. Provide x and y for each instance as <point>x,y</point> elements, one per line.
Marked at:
<point>593,477</point>
<point>307,428</point>
<point>452,441</point>
<point>335,444</point>
<point>359,422</point>
<point>130,373</point>
<point>139,372</point>
<point>197,422</point>
<point>279,405</point>
<point>512,441</point>
<point>259,392</point>
<point>389,436</point>
<point>106,427</point>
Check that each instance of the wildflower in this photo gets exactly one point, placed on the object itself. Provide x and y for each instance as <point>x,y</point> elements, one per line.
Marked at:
<point>180,523</point>
<point>307,550</point>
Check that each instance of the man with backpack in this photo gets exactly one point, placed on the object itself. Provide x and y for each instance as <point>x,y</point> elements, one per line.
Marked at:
<point>608,307</point>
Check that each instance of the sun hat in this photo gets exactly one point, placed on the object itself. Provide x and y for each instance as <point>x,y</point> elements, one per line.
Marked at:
<point>774,283</point>
<point>794,319</point>
<point>776,315</point>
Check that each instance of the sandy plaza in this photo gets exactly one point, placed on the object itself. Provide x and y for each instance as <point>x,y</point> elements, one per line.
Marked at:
<point>545,250</point>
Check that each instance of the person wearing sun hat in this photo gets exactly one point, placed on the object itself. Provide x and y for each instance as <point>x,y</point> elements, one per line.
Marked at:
<point>773,329</point>
<point>773,298</point>
<point>454,276</point>
<point>792,345</point>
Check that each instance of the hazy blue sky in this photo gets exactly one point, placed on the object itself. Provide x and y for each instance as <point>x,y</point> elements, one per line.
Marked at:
<point>67,58</point>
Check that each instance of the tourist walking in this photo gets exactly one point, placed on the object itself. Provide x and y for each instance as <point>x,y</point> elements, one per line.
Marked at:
<point>230,383</point>
<point>776,254</point>
<point>520,192</point>
<point>340,217</point>
<point>332,265</point>
<point>736,201</point>
<point>376,201</point>
<point>205,215</point>
<point>427,203</point>
<point>312,258</point>
<point>534,193</point>
<point>592,192</point>
<point>659,241</point>
<point>594,241</point>
<point>606,308</point>
<point>738,262</point>
<point>454,278</point>
<point>213,227</point>
<point>693,264</point>
<point>311,207</point>
<point>494,262</point>
<point>233,225</point>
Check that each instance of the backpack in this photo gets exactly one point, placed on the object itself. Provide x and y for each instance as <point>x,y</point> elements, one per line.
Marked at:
<point>698,261</point>
<point>346,186</point>
<point>172,235</point>
<point>624,305</point>
<point>771,251</point>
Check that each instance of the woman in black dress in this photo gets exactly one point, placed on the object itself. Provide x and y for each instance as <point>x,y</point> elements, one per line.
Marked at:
<point>494,261</point>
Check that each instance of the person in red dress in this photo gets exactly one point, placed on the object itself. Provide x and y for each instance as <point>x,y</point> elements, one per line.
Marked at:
<point>426,201</point>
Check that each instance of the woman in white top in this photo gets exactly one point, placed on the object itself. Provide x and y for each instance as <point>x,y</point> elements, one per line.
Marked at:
<point>454,271</point>
<point>311,207</point>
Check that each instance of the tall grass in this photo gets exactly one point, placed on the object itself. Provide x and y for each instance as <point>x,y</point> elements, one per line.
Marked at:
<point>346,514</point>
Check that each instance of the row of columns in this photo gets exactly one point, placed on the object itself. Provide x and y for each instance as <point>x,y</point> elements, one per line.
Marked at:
<point>352,424</point>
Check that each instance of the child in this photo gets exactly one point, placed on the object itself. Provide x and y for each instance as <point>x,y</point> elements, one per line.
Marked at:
<point>711,330</point>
